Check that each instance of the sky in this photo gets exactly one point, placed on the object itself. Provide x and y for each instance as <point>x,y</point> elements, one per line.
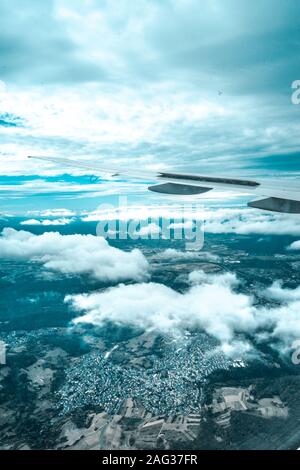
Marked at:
<point>151,84</point>
<point>159,84</point>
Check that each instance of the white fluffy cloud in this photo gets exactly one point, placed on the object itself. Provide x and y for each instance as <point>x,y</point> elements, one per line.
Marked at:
<point>277,292</point>
<point>172,254</point>
<point>60,212</point>
<point>238,220</point>
<point>62,221</point>
<point>159,307</point>
<point>74,254</point>
<point>248,221</point>
<point>149,230</point>
<point>294,246</point>
<point>212,303</point>
<point>226,280</point>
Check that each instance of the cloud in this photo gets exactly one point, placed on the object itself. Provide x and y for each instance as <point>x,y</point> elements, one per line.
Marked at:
<point>226,280</point>
<point>149,230</point>
<point>155,306</point>
<point>129,84</point>
<point>294,246</point>
<point>147,42</point>
<point>31,222</point>
<point>172,254</point>
<point>239,220</point>
<point>212,303</point>
<point>277,292</point>
<point>62,221</point>
<point>60,212</point>
<point>182,225</point>
<point>249,221</point>
<point>74,254</point>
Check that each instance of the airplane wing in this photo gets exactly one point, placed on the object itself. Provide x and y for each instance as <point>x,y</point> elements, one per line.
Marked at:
<point>278,196</point>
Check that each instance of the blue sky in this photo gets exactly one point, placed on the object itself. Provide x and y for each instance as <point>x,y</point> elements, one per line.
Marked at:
<point>157,84</point>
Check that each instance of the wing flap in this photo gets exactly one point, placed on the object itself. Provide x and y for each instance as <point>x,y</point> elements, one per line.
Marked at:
<point>276,204</point>
<point>179,189</point>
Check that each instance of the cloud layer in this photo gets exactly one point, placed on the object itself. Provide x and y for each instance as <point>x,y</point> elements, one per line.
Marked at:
<point>249,221</point>
<point>74,254</point>
<point>212,303</point>
<point>62,221</point>
<point>242,221</point>
<point>155,84</point>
